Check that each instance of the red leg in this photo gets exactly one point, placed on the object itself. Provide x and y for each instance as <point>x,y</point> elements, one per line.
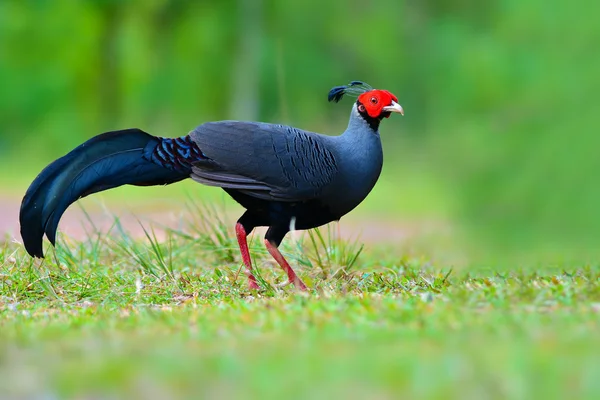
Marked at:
<point>241,234</point>
<point>274,251</point>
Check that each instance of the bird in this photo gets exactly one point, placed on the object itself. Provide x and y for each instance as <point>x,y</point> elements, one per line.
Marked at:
<point>284,177</point>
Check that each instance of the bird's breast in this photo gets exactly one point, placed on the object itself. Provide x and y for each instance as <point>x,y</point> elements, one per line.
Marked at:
<point>358,174</point>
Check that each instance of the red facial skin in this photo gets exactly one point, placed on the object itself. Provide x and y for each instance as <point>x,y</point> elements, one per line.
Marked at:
<point>375,100</point>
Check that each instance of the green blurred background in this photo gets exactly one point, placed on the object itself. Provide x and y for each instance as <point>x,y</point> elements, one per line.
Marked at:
<point>500,138</point>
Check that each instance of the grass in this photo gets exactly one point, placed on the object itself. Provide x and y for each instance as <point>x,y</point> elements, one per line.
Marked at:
<point>170,316</point>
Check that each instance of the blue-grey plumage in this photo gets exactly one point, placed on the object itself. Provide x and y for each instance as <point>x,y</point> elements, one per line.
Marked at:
<point>283,176</point>
<point>283,164</point>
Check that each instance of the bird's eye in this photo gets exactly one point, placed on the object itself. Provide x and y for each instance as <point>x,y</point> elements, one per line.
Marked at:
<point>373,100</point>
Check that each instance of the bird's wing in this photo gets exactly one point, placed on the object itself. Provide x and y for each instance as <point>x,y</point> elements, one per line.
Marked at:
<point>271,162</point>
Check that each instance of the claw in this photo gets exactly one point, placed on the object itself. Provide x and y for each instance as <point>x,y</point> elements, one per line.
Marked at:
<point>283,284</point>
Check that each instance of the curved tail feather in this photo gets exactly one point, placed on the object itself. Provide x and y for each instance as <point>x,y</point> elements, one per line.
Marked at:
<point>106,161</point>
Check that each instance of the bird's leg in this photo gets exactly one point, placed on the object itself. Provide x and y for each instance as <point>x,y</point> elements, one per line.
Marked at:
<point>241,234</point>
<point>293,278</point>
<point>272,240</point>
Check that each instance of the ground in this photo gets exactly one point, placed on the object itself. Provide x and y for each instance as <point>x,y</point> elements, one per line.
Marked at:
<point>141,314</point>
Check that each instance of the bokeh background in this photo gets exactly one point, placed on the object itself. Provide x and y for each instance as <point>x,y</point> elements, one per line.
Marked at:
<point>500,139</point>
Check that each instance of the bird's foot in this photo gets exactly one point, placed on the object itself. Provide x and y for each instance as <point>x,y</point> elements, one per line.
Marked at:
<point>252,284</point>
<point>299,284</point>
<point>292,277</point>
<point>282,284</point>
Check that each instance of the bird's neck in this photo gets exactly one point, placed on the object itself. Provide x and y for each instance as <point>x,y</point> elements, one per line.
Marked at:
<point>359,159</point>
<point>361,143</point>
<point>360,126</point>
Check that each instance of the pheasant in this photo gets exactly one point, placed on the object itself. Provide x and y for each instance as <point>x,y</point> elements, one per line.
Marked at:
<point>284,177</point>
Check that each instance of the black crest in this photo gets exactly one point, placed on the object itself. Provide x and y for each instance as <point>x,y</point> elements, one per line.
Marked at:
<point>354,88</point>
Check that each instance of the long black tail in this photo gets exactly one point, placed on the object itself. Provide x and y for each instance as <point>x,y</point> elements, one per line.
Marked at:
<point>106,161</point>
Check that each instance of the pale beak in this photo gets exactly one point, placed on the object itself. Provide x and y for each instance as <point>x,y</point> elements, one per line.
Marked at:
<point>395,107</point>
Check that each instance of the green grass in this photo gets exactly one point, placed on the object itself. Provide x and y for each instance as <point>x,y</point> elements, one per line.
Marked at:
<point>116,317</point>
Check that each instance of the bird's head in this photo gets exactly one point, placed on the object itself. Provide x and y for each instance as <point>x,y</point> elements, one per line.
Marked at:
<point>372,104</point>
